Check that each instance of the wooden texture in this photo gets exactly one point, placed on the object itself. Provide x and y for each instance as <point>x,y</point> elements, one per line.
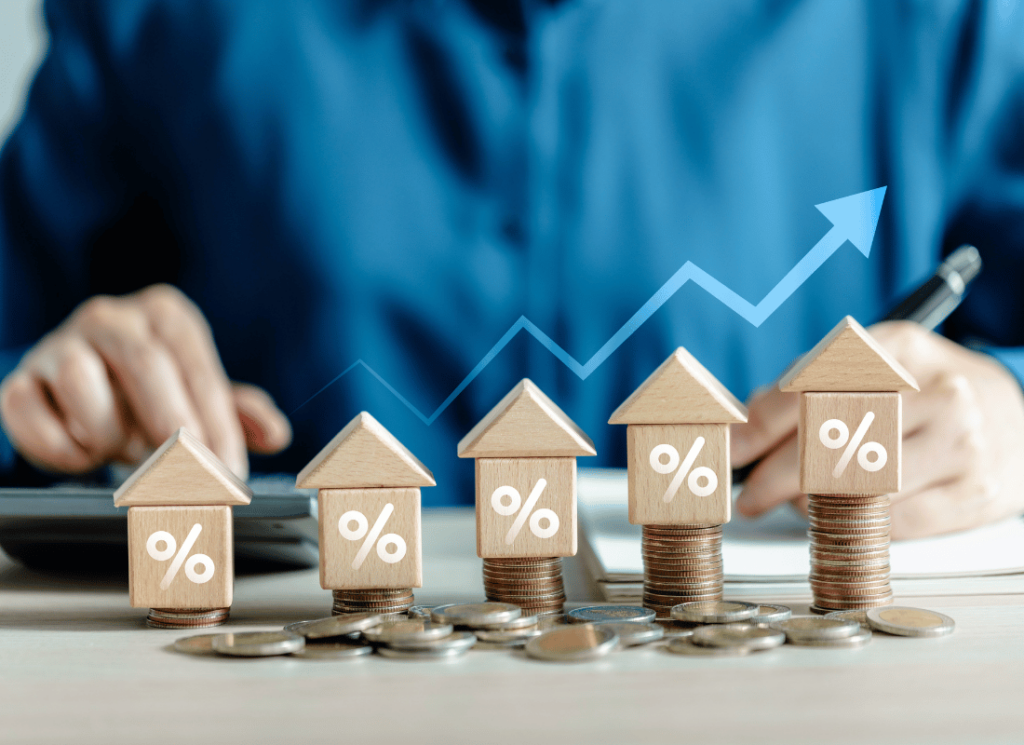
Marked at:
<point>848,359</point>
<point>525,423</point>
<point>680,391</point>
<point>648,488</point>
<point>167,580</point>
<point>182,471</point>
<point>354,555</point>
<point>364,454</point>
<point>516,534</point>
<point>819,463</point>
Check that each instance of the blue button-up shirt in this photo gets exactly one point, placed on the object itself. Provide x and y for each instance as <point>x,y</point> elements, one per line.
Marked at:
<point>399,182</point>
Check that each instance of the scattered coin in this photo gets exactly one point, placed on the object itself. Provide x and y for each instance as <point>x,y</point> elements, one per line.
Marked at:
<point>858,639</point>
<point>333,651</point>
<point>575,643</point>
<point>397,653</point>
<point>474,614</point>
<point>771,613</point>
<point>257,643</point>
<point>523,622</point>
<point>676,631</point>
<point>685,645</point>
<point>397,631</point>
<point>714,611</point>
<point>747,635</point>
<point>461,640</point>
<point>419,611</point>
<point>199,644</point>
<point>512,638</point>
<point>610,613</point>
<point>860,616</point>
<point>324,628</point>
<point>635,633</point>
<point>903,621</point>
<point>812,628</point>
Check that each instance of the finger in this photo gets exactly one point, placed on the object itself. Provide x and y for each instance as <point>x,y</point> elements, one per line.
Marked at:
<point>180,326</point>
<point>773,418</point>
<point>35,429</point>
<point>937,454</point>
<point>775,480</point>
<point>941,508</point>
<point>147,373</point>
<point>80,384</point>
<point>267,430</point>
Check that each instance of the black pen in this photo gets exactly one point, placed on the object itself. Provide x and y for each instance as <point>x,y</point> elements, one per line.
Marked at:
<point>929,305</point>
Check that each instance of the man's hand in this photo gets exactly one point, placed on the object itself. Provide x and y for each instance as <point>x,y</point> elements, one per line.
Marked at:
<point>120,376</point>
<point>963,439</point>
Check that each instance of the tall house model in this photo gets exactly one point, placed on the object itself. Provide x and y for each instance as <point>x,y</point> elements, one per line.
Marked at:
<point>525,451</point>
<point>680,478</point>
<point>180,551</point>
<point>849,443</point>
<point>369,513</point>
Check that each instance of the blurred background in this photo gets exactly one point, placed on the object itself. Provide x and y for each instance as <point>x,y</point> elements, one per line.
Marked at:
<point>22,45</point>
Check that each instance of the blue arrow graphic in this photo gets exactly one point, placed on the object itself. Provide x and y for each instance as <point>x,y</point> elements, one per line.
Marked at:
<point>854,219</point>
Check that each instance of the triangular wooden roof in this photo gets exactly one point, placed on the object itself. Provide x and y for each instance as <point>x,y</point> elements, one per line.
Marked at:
<point>182,471</point>
<point>525,424</point>
<point>848,359</point>
<point>364,455</point>
<point>680,391</point>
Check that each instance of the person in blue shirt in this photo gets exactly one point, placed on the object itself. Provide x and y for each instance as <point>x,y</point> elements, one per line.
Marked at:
<point>204,193</point>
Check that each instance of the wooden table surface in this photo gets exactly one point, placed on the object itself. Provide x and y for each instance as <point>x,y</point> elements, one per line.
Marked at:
<point>77,665</point>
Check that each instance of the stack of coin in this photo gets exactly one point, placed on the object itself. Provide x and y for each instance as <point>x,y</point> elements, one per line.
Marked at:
<point>849,552</point>
<point>535,585</point>
<point>192,618</point>
<point>385,602</point>
<point>682,563</point>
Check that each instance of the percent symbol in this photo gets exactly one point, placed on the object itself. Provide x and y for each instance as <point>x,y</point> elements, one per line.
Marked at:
<point>181,557</point>
<point>842,437</point>
<point>682,469</point>
<point>515,501</point>
<point>372,534</point>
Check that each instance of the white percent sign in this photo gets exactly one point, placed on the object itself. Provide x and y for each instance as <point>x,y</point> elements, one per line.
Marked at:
<point>515,501</point>
<point>842,437</point>
<point>372,534</point>
<point>682,469</point>
<point>181,557</point>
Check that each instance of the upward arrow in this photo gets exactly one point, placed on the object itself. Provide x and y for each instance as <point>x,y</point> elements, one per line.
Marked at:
<point>854,219</point>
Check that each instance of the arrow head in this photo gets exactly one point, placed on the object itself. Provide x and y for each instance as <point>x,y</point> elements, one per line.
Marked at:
<point>856,216</point>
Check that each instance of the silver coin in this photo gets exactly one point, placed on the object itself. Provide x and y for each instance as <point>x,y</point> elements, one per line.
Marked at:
<point>771,613</point>
<point>635,633</point>
<point>811,628</point>
<point>200,644</point>
<point>675,630</point>
<point>575,643</point>
<point>611,613</point>
<point>462,640</point>
<point>858,639</point>
<point>684,645</point>
<point>333,651</point>
<point>257,643</point>
<point>523,622</point>
<point>904,621</point>
<point>506,637</point>
<point>396,631</point>
<point>474,614</point>
<point>419,611</point>
<point>714,611</point>
<point>397,653</point>
<point>325,628</point>
<point>860,616</point>
<point>754,638</point>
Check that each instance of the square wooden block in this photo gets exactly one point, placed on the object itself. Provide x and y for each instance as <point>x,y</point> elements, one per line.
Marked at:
<point>370,539</point>
<point>525,507</point>
<point>679,474</point>
<point>180,557</point>
<point>850,443</point>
